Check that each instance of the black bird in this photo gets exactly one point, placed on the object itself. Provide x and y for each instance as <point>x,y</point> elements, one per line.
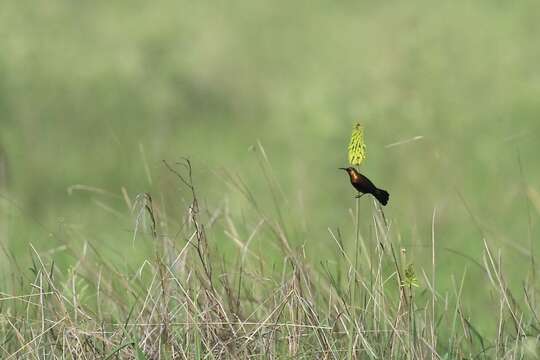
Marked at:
<point>365,186</point>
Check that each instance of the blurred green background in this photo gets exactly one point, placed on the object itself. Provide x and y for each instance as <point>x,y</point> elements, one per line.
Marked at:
<point>91,91</point>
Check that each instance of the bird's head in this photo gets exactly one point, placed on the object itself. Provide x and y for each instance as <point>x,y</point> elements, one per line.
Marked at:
<point>350,170</point>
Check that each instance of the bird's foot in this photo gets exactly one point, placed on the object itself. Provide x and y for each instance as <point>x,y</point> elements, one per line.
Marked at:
<point>359,196</point>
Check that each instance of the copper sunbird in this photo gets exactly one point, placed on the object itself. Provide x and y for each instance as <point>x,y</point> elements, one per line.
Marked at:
<point>365,186</point>
<point>357,154</point>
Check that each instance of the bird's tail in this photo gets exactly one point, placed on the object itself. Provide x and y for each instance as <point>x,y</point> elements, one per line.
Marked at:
<point>382,196</point>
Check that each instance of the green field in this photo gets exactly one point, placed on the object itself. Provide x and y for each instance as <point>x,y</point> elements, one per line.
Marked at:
<point>262,97</point>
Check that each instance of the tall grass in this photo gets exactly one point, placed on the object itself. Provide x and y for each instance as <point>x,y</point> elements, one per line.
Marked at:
<point>186,300</point>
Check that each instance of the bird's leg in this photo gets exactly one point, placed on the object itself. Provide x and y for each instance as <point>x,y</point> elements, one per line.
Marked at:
<point>359,196</point>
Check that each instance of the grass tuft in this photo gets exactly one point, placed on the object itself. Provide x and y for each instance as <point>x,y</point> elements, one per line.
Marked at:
<point>189,301</point>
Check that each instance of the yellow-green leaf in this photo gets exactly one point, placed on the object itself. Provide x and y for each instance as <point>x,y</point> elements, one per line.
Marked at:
<point>410,279</point>
<point>357,147</point>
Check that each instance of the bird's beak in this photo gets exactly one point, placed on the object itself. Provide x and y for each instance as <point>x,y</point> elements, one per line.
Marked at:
<point>343,169</point>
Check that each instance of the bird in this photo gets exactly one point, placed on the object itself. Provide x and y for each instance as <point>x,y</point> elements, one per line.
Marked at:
<point>365,186</point>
